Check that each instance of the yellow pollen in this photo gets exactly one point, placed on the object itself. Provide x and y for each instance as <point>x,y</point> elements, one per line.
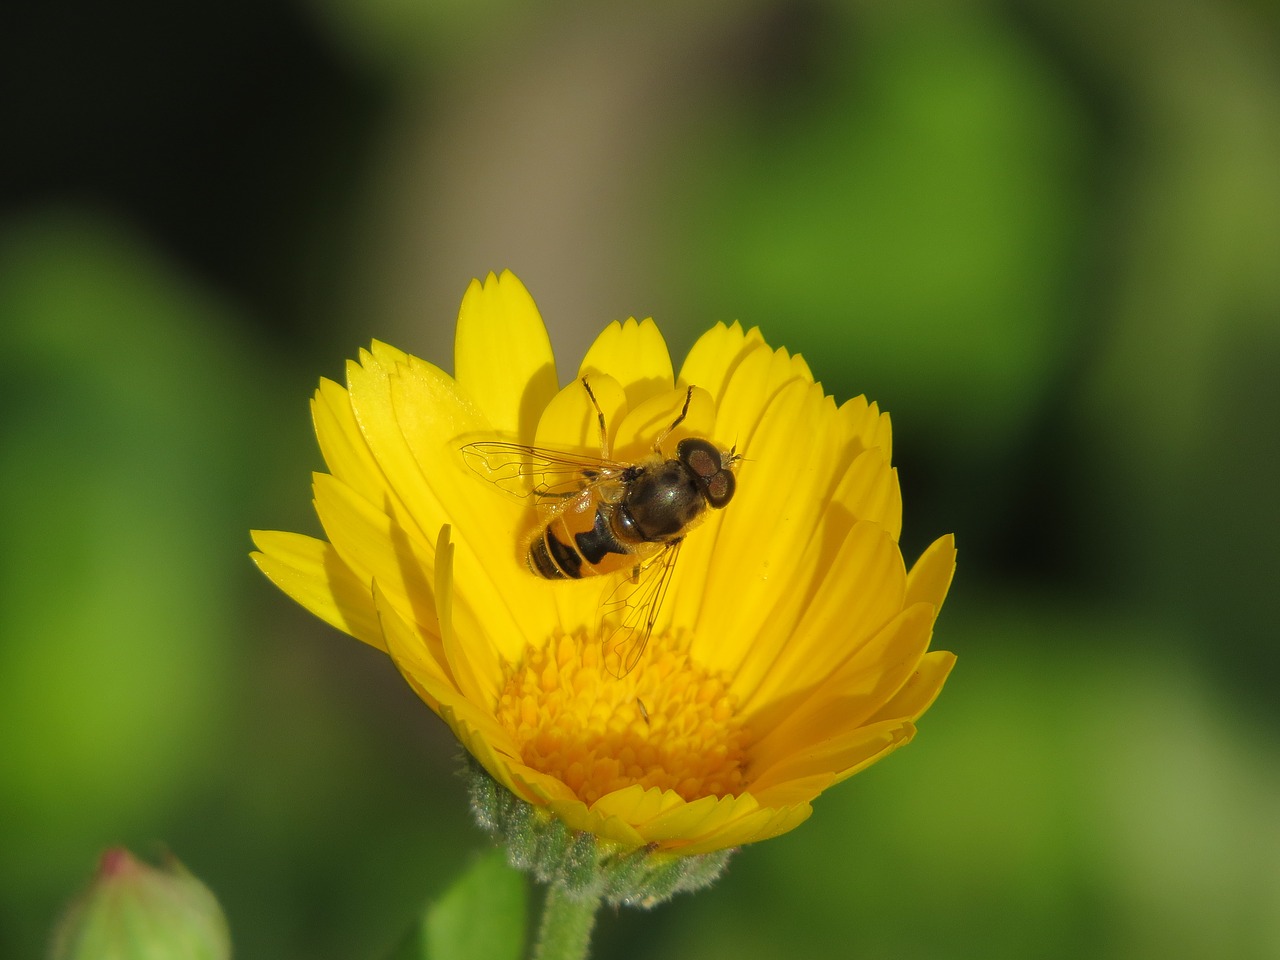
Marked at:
<point>669,723</point>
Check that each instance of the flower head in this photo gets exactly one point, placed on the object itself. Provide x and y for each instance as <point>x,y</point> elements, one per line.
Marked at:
<point>790,651</point>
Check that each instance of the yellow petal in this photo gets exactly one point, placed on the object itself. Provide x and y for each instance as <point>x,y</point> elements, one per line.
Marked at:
<point>921,688</point>
<point>795,790</point>
<point>800,368</point>
<point>756,561</point>
<point>379,550</point>
<point>867,426</point>
<point>492,749</point>
<point>762,824</point>
<point>651,421</point>
<point>370,395</point>
<point>635,355</point>
<point>571,421</point>
<point>869,491</point>
<point>477,677</point>
<point>491,623</point>
<point>375,548</point>
<point>577,816</point>
<point>847,697</point>
<point>502,356</point>
<point>697,818</point>
<point>716,355</point>
<point>930,578</point>
<point>489,751</point>
<point>699,553</point>
<point>851,761</point>
<point>413,654</point>
<point>637,805</point>
<point>511,604</point>
<point>758,377</point>
<point>473,724</point>
<point>859,592</point>
<point>716,823</point>
<point>843,754</point>
<point>343,446</point>
<point>310,572</point>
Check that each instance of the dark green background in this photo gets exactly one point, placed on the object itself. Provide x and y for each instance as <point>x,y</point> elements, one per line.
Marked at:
<point>1046,237</point>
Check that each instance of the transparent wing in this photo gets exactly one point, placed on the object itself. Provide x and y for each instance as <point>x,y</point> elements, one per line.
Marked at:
<point>524,471</point>
<point>637,601</point>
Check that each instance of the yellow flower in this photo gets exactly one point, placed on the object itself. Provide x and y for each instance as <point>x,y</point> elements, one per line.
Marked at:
<point>792,647</point>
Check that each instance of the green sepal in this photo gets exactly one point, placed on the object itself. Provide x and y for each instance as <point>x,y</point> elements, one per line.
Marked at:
<point>581,864</point>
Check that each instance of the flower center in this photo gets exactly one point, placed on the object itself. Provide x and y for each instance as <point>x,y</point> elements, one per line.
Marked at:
<point>669,723</point>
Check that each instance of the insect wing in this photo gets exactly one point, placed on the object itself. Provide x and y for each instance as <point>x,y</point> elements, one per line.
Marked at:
<point>525,471</point>
<point>638,599</point>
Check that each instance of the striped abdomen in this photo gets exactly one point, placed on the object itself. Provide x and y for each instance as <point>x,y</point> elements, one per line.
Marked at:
<point>586,539</point>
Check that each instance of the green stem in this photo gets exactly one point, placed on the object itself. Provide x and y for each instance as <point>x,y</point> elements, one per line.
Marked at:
<point>566,926</point>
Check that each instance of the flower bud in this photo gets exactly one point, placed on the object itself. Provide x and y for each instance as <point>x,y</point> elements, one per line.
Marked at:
<point>134,911</point>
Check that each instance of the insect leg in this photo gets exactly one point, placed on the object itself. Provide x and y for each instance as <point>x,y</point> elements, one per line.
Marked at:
<point>684,412</point>
<point>604,436</point>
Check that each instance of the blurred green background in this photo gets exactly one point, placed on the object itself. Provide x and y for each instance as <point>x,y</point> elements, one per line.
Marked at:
<point>1046,237</point>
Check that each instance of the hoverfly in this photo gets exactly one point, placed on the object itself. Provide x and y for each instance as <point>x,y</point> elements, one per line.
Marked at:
<point>599,517</point>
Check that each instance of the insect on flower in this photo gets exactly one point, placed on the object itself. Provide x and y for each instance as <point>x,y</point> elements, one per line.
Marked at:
<point>793,645</point>
<point>602,517</point>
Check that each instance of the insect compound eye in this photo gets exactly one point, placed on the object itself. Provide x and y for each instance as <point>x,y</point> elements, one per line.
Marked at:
<point>704,459</point>
<point>719,489</point>
<point>699,456</point>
